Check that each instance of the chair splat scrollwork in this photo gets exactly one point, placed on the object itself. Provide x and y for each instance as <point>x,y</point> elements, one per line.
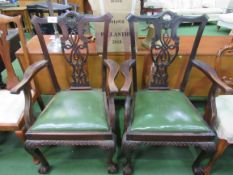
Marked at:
<point>76,43</point>
<point>165,44</point>
<point>164,49</point>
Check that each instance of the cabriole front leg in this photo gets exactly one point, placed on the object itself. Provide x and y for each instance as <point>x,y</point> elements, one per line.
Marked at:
<point>207,149</point>
<point>127,167</point>
<point>36,153</point>
<point>221,146</point>
<point>112,167</point>
<point>127,153</point>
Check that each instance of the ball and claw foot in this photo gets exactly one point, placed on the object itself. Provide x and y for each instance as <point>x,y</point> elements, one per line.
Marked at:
<point>198,171</point>
<point>44,169</point>
<point>112,168</point>
<point>127,170</point>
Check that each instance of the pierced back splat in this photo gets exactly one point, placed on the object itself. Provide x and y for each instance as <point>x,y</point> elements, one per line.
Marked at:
<point>165,45</point>
<point>164,49</point>
<point>76,44</point>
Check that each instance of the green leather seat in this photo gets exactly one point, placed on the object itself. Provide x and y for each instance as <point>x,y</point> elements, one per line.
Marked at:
<point>74,111</point>
<point>166,111</point>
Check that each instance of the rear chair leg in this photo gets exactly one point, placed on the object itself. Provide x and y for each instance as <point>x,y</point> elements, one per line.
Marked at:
<point>127,169</point>
<point>36,153</point>
<point>197,169</point>
<point>221,146</point>
<point>206,150</point>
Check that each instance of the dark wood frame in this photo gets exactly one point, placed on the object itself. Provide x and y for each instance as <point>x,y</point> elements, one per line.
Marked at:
<point>12,79</point>
<point>224,85</point>
<point>72,26</point>
<point>132,139</point>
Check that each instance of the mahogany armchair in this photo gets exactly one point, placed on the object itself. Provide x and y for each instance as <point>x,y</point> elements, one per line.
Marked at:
<point>220,111</point>
<point>79,115</point>
<point>160,115</point>
<point>11,105</point>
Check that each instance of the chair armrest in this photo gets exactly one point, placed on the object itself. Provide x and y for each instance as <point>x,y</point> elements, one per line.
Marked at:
<point>28,75</point>
<point>113,71</point>
<point>125,70</point>
<point>212,75</point>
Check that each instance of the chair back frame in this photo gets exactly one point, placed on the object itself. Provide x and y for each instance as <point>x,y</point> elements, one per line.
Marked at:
<point>74,46</point>
<point>165,45</point>
<point>228,49</point>
<point>164,50</point>
<point>12,79</point>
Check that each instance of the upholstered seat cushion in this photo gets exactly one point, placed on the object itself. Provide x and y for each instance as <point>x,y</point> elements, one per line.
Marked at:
<point>166,111</point>
<point>224,121</point>
<point>74,111</point>
<point>11,107</point>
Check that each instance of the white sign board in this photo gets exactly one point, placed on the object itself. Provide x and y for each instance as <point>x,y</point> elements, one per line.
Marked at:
<point>119,38</point>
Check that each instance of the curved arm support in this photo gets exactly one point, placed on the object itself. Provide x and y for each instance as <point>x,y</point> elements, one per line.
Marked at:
<point>127,112</point>
<point>111,112</point>
<point>28,75</point>
<point>28,116</point>
<point>125,70</point>
<point>212,75</point>
<point>211,112</point>
<point>24,85</point>
<point>113,71</point>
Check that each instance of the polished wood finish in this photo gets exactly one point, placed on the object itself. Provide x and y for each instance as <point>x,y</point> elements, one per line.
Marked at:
<point>12,79</point>
<point>221,147</point>
<point>75,54</point>
<point>13,37</point>
<point>164,51</point>
<point>14,11</point>
<point>207,50</point>
<point>212,75</point>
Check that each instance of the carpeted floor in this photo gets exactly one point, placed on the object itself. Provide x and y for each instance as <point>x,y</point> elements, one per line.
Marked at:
<point>82,161</point>
<point>14,160</point>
